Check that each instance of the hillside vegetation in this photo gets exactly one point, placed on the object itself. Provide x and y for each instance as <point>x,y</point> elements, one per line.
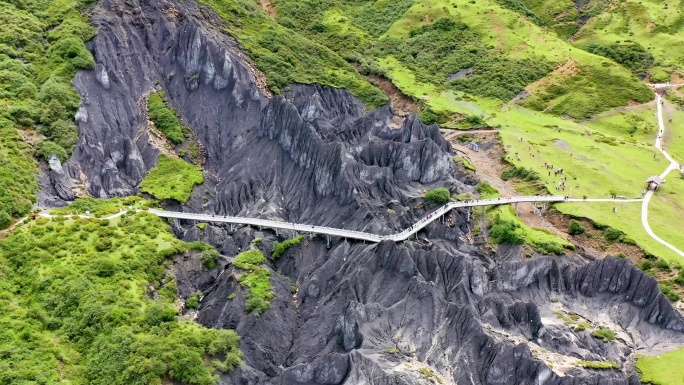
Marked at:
<point>75,307</point>
<point>42,45</point>
<point>448,55</point>
<point>173,178</point>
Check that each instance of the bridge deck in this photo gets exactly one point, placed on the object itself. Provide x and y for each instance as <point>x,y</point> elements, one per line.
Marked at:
<point>401,236</point>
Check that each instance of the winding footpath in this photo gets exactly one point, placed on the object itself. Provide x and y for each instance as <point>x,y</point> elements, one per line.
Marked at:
<point>673,166</point>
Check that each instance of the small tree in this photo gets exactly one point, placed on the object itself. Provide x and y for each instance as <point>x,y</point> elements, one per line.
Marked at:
<point>612,234</point>
<point>193,301</point>
<point>209,258</point>
<point>439,195</point>
<point>576,227</point>
<point>505,232</point>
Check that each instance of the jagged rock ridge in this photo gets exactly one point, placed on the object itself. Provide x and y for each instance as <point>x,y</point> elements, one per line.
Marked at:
<point>382,314</point>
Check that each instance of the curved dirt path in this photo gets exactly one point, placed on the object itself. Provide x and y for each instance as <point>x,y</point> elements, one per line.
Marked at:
<point>673,166</point>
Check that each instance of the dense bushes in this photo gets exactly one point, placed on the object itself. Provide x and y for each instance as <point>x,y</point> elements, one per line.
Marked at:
<point>592,90</point>
<point>439,195</point>
<point>502,78</point>
<point>630,55</point>
<point>209,258</point>
<point>40,51</point>
<point>612,234</point>
<point>164,118</point>
<point>439,50</point>
<point>604,333</point>
<point>281,247</point>
<point>71,311</point>
<point>505,232</point>
<point>377,17</point>
<point>45,148</point>
<point>486,190</point>
<point>256,280</point>
<point>173,178</point>
<point>576,227</point>
<point>193,301</point>
<point>287,57</point>
<point>520,173</point>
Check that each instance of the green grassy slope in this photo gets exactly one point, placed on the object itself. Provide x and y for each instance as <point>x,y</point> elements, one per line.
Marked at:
<point>433,39</point>
<point>41,48</point>
<point>663,369</point>
<point>288,57</point>
<point>75,309</point>
<point>656,26</point>
<point>173,178</point>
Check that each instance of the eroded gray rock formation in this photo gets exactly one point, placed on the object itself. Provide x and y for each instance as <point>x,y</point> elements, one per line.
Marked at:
<point>350,313</point>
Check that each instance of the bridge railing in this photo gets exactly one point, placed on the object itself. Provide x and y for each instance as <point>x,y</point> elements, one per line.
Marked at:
<point>404,234</point>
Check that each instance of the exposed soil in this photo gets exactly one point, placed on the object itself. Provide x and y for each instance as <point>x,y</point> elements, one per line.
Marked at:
<point>30,137</point>
<point>593,240</point>
<point>402,104</point>
<point>268,7</point>
<point>489,168</point>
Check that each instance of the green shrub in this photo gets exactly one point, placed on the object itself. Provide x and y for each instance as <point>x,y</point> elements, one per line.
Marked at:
<point>103,244</point>
<point>173,178</point>
<point>248,259</point>
<point>199,246</point>
<point>680,278</point>
<point>662,265</point>
<point>105,268</point>
<point>194,300</point>
<point>604,334</point>
<point>505,232</point>
<point>630,55</point>
<point>486,190</point>
<point>582,326</point>
<point>45,148</point>
<point>646,265</point>
<point>669,292</point>
<point>89,310</point>
<point>164,118</point>
<point>612,234</point>
<point>549,248</point>
<point>281,247</point>
<point>576,227</point>
<point>169,292</point>
<point>468,165</point>
<point>209,258</point>
<point>520,173</point>
<point>5,220</point>
<point>256,280</point>
<point>439,195</point>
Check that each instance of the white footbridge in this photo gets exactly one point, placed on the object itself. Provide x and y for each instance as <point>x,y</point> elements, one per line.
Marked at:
<point>364,236</point>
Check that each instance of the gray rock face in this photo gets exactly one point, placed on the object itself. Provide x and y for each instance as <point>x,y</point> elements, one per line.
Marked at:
<point>384,312</point>
<point>350,313</point>
<point>138,47</point>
